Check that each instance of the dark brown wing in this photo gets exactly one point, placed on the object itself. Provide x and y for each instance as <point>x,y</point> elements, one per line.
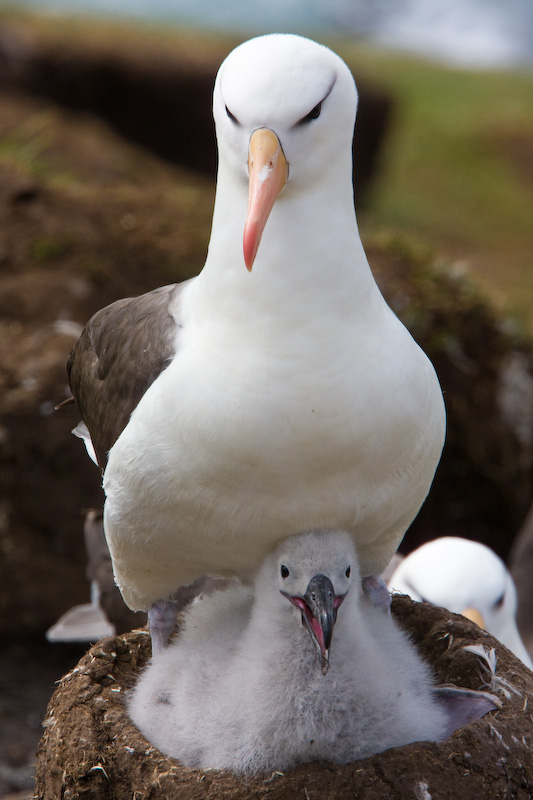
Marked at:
<point>122,350</point>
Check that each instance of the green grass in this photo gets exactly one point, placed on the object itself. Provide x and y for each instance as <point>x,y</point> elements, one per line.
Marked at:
<point>26,149</point>
<point>47,248</point>
<point>455,171</point>
<point>457,168</point>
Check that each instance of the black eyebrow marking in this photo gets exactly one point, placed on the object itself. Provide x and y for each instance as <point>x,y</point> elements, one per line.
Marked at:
<point>315,111</point>
<point>313,114</point>
<point>232,117</point>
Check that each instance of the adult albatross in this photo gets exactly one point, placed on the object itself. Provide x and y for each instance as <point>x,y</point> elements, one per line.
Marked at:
<point>468,578</point>
<point>235,408</point>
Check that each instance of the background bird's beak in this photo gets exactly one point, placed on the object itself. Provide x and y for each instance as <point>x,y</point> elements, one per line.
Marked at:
<point>319,613</point>
<point>268,171</point>
<point>474,616</point>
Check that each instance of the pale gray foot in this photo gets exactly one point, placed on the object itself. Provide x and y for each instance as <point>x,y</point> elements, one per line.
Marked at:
<point>375,590</point>
<point>463,705</point>
<point>161,621</point>
<point>162,616</point>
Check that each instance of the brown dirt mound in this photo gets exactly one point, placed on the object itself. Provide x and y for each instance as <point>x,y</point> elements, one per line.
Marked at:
<point>91,749</point>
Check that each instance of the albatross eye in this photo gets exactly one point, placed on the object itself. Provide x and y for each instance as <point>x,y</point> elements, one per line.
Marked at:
<point>348,572</point>
<point>232,117</point>
<point>313,114</point>
<point>284,571</point>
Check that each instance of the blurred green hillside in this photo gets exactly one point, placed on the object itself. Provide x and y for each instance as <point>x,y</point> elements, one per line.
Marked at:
<point>457,172</point>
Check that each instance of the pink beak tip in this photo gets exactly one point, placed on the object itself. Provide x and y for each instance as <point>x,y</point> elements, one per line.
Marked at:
<point>250,247</point>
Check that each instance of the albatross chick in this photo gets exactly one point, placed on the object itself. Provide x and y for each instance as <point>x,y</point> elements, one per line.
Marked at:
<point>302,668</point>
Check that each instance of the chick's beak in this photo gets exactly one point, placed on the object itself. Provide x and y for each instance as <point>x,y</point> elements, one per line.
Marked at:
<point>268,171</point>
<point>319,613</point>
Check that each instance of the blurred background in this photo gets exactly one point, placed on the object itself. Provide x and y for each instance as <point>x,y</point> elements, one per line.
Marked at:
<point>107,165</point>
<point>476,33</point>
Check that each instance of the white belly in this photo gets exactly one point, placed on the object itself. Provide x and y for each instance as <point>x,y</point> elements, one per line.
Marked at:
<point>250,450</point>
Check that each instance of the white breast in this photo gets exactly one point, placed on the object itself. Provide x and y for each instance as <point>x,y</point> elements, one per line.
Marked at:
<point>313,433</point>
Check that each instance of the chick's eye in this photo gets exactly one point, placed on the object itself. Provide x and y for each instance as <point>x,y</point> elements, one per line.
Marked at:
<point>348,572</point>
<point>232,117</point>
<point>313,114</point>
<point>284,571</point>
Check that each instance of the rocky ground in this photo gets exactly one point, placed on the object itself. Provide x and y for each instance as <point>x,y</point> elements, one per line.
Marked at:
<point>87,216</point>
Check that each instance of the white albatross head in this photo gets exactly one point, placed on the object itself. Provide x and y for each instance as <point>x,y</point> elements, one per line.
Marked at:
<point>284,109</point>
<point>465,577</point>
<point>312,573</point>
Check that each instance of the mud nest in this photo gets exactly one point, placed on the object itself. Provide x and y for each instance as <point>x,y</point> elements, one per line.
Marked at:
<point>91,749</point>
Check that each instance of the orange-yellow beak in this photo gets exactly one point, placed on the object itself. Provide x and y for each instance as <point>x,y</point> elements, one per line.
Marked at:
<point>474,616</point>
<point>268,170</point>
